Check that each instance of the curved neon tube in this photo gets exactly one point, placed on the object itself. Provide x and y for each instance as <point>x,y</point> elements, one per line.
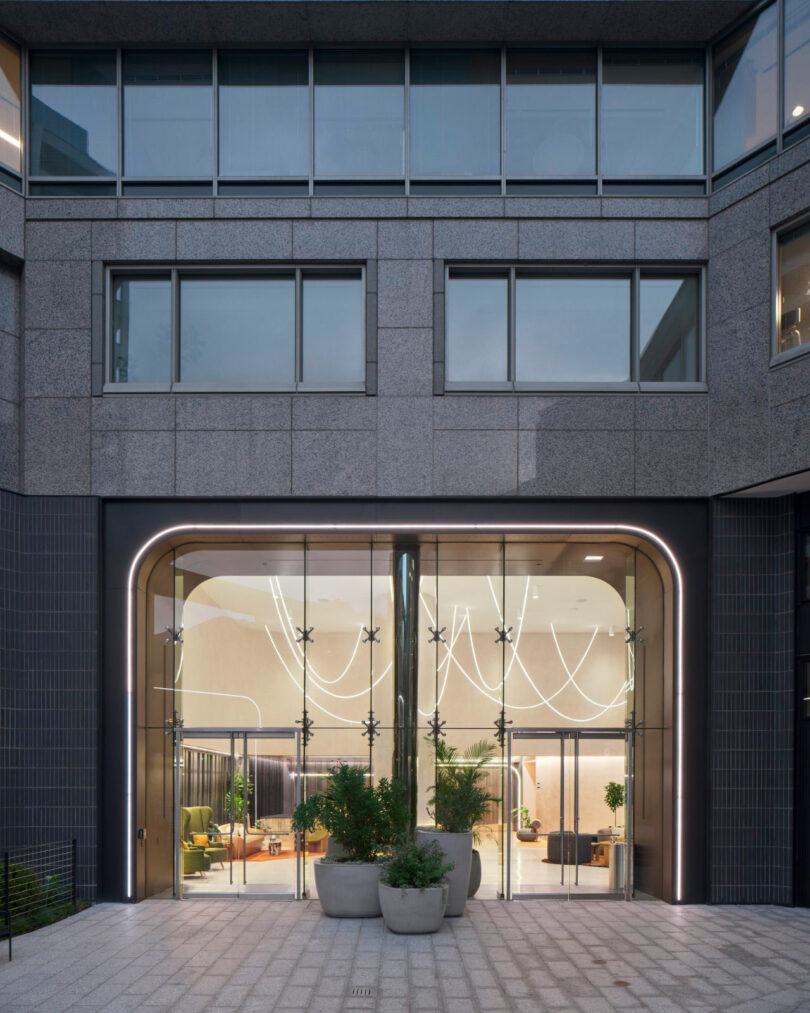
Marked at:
<point>341,528</point>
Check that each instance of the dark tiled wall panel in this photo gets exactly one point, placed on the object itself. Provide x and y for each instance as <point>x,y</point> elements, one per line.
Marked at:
<point>752,702</point>
<point>49,665</point>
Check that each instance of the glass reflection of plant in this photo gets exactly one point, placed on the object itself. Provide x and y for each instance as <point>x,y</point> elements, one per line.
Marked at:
<point>458,801</point>
<point>241,794</point>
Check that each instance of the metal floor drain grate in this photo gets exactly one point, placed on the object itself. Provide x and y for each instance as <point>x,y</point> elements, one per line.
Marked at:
<point>364,990</point>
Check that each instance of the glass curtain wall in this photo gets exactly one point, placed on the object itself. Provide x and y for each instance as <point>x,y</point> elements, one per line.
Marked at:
<point>269,636</point>
<point>529,635</point>
<point>276,635</point>
<point>382,120</point>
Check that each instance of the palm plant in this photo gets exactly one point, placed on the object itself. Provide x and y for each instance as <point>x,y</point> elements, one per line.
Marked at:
<point>458,800</point>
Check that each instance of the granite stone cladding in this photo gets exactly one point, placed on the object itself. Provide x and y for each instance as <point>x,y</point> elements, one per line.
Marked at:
<point>744,428</point>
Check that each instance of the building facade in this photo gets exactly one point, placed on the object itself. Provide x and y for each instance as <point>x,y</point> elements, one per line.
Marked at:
<point>396,334</point>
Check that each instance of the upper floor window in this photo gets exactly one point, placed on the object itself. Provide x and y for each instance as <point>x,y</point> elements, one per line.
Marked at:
<point>550,107</point>
<point>792,297</point>
<point>10,92</point>
<point>168,114</point>
<point>359,114</point>
<point>745,88</point>
<point>202,330</point>
<point>257,88</point>
<point>387,121</point>
<point>532,328</point>
<point>455,113</point>
<point>73,113</point>
<point>797,60</point>
<point>652,118</point>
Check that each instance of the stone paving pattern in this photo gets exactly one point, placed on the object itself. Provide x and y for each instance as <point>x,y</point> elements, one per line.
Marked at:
<point>525,956</point>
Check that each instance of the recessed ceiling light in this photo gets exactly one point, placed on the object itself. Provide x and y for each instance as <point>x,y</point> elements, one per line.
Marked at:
<point>593,559</point>
<point>798,111</point>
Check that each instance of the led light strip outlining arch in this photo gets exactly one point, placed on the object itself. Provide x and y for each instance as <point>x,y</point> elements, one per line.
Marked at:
<point>394,528</point>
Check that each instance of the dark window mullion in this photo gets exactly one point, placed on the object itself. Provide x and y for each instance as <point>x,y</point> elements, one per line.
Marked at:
<point>298,337</point>
<point>175,358</point>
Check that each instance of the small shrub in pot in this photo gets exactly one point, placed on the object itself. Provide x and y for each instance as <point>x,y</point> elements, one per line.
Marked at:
<point>413,890</point>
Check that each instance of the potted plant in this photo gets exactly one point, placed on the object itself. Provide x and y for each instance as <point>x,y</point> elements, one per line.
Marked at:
<point>364,820</point>
<point>413,889</point>
<point>614,799</point>
<point>457,802</point>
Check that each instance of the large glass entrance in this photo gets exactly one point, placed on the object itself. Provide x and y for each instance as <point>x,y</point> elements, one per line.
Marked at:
<point>222,779</point>
<point>273,659</point>
<point>571,827</point>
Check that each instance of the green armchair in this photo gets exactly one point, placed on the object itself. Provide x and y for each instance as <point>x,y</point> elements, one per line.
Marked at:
<point>196,820</point>
<point>194,860</point>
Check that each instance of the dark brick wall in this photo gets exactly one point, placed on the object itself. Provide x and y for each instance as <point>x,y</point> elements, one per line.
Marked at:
<point>751,850</point>
<point>49,680</point>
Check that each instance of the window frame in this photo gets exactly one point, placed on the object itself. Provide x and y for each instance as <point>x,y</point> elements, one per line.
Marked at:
<point>176,272</point>
<point>780,358</point>
<point>634,272</point>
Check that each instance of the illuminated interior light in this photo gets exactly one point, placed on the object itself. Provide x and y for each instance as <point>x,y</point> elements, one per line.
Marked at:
<point>594,559</point>
<point>393,528</point>
<point>15,142</point>
<point>300,688</point>
<point>798,111</point>
<point>210,692</point>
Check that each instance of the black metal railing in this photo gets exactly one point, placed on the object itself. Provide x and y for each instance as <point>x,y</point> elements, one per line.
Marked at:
<point>37,887</point>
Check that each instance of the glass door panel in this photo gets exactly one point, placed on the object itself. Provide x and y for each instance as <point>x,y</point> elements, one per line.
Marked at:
<point>237,790</point>
<point>562,840</point>
<point>602,775</point>
<point>541,824</point>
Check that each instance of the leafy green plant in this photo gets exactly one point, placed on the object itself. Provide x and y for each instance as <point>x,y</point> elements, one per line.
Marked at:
<point>24,891</point>
<point>364,819</point>
<point>416,866</point>
<point>458,800</point>
<point>614,797</point>
<point>521,814</point>
<point>241,795</point>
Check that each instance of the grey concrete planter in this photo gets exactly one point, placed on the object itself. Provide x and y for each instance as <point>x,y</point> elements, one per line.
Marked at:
<point>348,890</point>
<point>410,911</point>
<point>457,849</point>
<point>475,874</point>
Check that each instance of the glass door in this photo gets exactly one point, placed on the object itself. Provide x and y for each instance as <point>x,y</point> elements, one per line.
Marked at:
<point>540,801</point>
<point>569,799</point>
<point>236,790</point>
